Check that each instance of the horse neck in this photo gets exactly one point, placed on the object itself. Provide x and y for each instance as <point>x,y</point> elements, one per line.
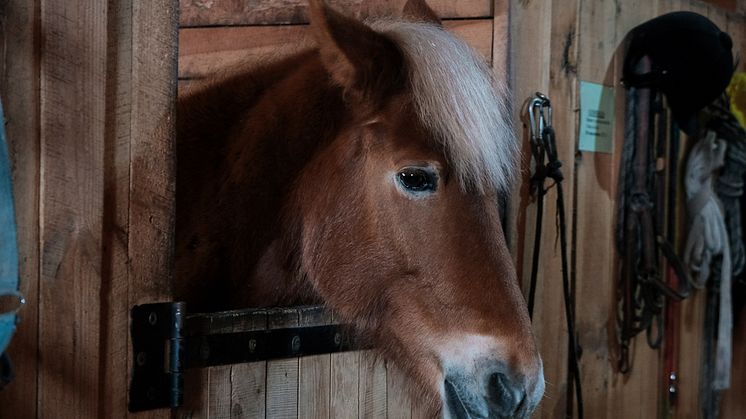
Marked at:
<point>241,144</point>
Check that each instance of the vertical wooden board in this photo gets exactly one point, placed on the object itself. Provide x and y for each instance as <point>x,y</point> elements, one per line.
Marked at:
<point>219,392</point>
<point>196,396</point>
<point>691,352</point>
<point>398,402</point>
<point>152,173</point>
<point>372,389</point>
<point>282,375</point>
<point>73,107</point>
<point>19,90</point>
<point>734,404</point>
<point>563,60</point>
<point>500,39</point>
<point>152,150</point>
<point>114,271</point>
<point>344,384</point>
<point>595,208</point>
<point>718,17</point>
<point>248,394</point>
<point>531,67</point>
<point>314,384</point>
<point>248,391</point>
<point>528,71</point>
<point>736,28</point>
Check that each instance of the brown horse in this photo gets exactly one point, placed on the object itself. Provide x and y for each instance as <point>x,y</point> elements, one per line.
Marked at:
<point>363,173</point>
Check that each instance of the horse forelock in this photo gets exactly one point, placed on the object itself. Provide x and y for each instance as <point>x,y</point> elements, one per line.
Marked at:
<point>456,97</point>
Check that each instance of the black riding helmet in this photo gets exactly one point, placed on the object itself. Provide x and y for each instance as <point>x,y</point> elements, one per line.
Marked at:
<point>691,60</point>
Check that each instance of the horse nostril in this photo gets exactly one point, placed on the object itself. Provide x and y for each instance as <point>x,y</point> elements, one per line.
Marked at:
<point>507,397</point>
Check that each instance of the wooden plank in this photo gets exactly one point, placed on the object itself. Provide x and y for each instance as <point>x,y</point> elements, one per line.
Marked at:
<point>595,260</point>
<point>73,108</point>
<point>275,12</point>
<point>282,375</point>
<point>314,386</point>
<point>344,384</point>
<point>500,47</point>
<point>248,393</point>
<point>152,170</point>
<point>734,404</point>
<point>19,89</point>
<point>219,392</point>
<point>205,51</point>
<point>563,62</point>
<point>114,272</point>
<point>530,72</point>
<point>372,388</point>
<point>398,402</point>
<point>736,28</point>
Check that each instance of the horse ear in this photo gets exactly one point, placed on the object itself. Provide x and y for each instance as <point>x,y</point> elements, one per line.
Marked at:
<point>419,10</point>
<point>358,58</point>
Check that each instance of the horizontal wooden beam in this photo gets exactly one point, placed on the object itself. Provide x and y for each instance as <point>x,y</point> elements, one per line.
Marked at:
<point>277,12</point>
<point>205,51</point>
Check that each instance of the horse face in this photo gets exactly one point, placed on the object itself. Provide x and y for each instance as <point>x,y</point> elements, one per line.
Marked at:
<point>395,241</point>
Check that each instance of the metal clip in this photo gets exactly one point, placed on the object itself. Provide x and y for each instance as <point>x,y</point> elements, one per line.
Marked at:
<point>539,115</point>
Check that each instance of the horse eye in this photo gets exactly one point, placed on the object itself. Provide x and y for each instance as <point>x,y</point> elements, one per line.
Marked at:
<point>417,180</point>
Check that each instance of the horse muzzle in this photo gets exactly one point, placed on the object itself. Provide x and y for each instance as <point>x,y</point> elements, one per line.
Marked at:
<point>491,392</point>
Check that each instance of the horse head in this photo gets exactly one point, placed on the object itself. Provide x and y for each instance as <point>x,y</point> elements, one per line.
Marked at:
<point>399,229</point>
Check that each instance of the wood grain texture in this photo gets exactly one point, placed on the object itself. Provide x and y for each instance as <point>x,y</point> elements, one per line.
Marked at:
<point>283,12</point>
<point>205,51</point>
<point>282,375</point>
<point>114,270</point>
<point>73,108</point>
<point>372,386</point>
<point>19,91</point>
<point>530,72</point>
<point>152,168</point>
<point>314,383</point>
<point>398,400</point>
<point>344,384</point>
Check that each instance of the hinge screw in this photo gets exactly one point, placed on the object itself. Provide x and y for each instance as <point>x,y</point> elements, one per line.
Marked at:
<point>252,345</point>
<point>295,343</point>
<point>141,358</point>
<point>337,339</point>
<point>152,318</point>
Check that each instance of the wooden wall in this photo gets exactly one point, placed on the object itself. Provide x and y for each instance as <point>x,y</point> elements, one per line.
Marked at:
<point>88,88</point>
<point>554,45</point>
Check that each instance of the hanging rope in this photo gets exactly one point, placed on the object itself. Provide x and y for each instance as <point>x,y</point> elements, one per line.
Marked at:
<point>707,241</point>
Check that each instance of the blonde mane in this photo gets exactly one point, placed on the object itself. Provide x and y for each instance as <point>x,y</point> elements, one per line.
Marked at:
<point>457,97</point>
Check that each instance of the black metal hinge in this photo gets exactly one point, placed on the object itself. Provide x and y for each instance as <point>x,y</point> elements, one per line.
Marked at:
<point>158,351</point>
<point>164,347</point>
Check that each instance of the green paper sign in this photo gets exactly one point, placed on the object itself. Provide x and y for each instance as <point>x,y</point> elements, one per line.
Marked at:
<point>596,117</point>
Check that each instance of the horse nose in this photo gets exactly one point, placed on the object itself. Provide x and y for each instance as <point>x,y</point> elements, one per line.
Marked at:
<point>506,396</point>
<point>494,392</point>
